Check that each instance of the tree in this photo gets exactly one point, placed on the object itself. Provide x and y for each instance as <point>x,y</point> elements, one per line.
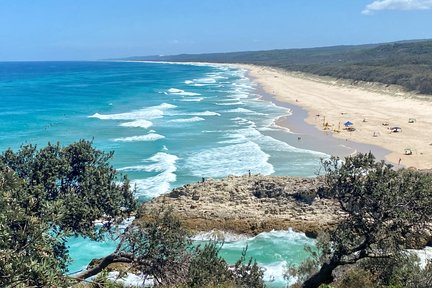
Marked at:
<point>162,250</point>
<point>386,210</point>
<point>47,195</point>
<point>208,269</point>
<point>159,248</point>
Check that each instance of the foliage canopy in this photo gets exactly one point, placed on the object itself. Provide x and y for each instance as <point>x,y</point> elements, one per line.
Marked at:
<point>406,63</point>
<point>386,211</point>
<point>162,250</point>
<point>47,195</point>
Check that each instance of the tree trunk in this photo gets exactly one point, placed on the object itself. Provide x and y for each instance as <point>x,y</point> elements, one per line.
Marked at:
<point>114,257</point>
<point>323,276</point>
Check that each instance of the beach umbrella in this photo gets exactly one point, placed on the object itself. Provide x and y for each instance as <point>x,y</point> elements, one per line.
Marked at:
<point>348,123</point>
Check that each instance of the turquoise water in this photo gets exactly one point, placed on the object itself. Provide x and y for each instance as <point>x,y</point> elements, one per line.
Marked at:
<point>274,251</point>
<point>168,125</point>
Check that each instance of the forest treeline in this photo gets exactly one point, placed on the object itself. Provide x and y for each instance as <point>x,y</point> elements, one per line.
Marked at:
<point>408,63</point>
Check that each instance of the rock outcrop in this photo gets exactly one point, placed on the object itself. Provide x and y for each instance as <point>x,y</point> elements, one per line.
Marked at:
<point>250,205</point>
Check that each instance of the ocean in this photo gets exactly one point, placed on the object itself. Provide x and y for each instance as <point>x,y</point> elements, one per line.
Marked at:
<point>168,125</point>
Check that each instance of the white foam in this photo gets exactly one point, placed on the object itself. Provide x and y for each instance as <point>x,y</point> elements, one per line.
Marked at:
<point>189,93</point>
<point>166,106</point>
<point>120,227</point>
<point>153,186</point>
<point>205,113</point>
<point>175,90</point>
<point>242,157</point>
<point>126,222</point>
<point>274,237</point>
<point>217,75</point>
<point>144,113</point>
<point>243,121</point>
<point>165,165</point>
<point>286,235</point>
<point>267,143</point>
<point>275,270</point>
<point>130,279</point>
<point>219,236</point>
<point>159,162</point>
<point>182,92</point>
<point>264,129</point>
<point>244,111</point>
<point>207,80</point>
<point>141,138</point>
<point>188,82</point>
<point>192,99</point>
<point>246,85</point>
<point>239,95</point>
<point>274,274</point>
<point>188,120</point>
<point>137,114</point>
<point>230,103</point>
<point>135,168</point>
<point>234,140</point>
<point>141,123</point>
<point>424,255</point>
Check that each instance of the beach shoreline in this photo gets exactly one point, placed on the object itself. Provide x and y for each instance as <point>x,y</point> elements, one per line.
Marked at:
<point>309,136</point>
<point>293,127</point>
<point>316,100</point>
<point>321,101</point>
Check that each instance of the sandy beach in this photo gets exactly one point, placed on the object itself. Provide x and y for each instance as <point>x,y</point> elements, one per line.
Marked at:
<point>373,112</point>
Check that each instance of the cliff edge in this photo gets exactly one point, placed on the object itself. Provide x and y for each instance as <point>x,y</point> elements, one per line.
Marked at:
<point>250,205</point>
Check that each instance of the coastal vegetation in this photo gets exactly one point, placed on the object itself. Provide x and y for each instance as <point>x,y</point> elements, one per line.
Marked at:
<point>382,212</point>
<point>387,211</point>
<point>47,195</point>
<point>161,250</point>
<point>408,63</point>
<point>51,193</point>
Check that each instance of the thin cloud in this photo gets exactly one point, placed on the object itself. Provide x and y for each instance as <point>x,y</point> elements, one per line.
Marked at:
<point>397,5</point>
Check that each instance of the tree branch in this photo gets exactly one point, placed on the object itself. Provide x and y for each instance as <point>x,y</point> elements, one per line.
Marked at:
<point>112,258</point>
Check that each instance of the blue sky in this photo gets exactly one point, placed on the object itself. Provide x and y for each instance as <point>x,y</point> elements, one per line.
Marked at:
<point>95,29</point>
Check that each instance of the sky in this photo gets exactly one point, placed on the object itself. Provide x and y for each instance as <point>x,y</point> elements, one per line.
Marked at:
<point>99,29</point>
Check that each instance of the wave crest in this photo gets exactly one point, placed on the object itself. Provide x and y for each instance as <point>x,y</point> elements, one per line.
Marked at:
<point>162,163</point>
<point>182,92</point>
<point>141,123</point>
<point>188,120</point>
<point>152,112</point>
<point>140,138</point>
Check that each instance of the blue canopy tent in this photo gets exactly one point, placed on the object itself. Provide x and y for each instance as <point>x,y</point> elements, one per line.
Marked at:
<point>348,124</point>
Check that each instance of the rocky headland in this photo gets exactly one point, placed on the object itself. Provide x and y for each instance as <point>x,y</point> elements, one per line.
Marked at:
<point>250,205</point>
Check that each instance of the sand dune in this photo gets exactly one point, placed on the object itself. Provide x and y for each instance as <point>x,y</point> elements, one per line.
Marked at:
<point>367,107</point>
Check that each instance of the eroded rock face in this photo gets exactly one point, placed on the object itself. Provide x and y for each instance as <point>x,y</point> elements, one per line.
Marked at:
<point>251,205</point>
